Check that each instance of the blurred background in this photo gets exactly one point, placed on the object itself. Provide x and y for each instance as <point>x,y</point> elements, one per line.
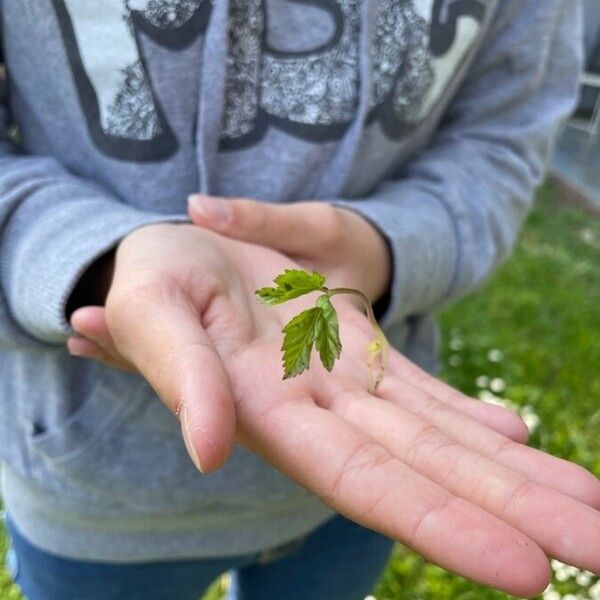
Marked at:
<point>529,340</point>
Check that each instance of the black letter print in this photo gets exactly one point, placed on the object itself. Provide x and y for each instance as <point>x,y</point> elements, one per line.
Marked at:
<point>124,116</point>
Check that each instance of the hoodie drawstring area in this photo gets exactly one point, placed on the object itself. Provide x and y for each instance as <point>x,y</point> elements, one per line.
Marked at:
<point>212,100</point>
<point>211,96</point>
<point>344,157</point>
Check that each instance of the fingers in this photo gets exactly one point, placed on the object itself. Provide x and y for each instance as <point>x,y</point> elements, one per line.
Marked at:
<point>81,346</point>
<point>501,419</point>
<point>94,339</point>
<point>90,321</point>
<point>574,528</point>
<point>561,475</point>
<point>298,229</point>
<point>84,348</point>
<point>364,481</point>
<point>159,331</point>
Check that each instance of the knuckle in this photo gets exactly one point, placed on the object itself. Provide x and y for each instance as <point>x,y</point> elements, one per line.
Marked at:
<point>585,484</point>
<point>504,446</point>
<point>431,513</point>
<point>328,221</point>
<point>123,296</point>
<point>128,300</point>
<point>415,374</point>
<point>160,371</point>
<point>261,218</point>
<point>427,404</point>
<point>428,439</point>
<point>524,488</point>
<point>372,506</point>
<point>365,458</point>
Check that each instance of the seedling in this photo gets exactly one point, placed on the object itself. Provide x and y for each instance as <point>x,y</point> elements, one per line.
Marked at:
<point>318,326</point>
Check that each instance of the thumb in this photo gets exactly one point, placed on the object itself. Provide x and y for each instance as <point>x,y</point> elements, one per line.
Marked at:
<point>300,229</point>
<point>163,337</point>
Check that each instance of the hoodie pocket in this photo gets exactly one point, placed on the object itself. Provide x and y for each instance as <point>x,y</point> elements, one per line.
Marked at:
<point>101,409</point>
<point>129,451</point>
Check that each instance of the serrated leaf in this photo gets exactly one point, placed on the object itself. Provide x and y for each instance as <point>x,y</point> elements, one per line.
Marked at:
<point>298,339</point>
<point>316,326</point>
<point>327,336</point>
<point>291,284</point>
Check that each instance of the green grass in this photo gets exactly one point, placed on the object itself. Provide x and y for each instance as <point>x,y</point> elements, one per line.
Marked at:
<point>538,320</point>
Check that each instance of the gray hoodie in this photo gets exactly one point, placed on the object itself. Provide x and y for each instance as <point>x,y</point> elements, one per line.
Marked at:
<point>430,118</point>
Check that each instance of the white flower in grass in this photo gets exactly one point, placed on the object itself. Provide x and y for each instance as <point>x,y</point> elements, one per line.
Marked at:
<point>551,595</point>
<point>565,572</point>
<point>455,360</point>
<point>370,598</point>
<point>482,381</point>
<point>497,385</point>
<point>556,564</point>
<point>456,344</point>
<point>532,420</point>
<point>495,355</point>
<point>594,591</point>
<point>584,578</point>
<point>490,398</point>
<point>589,237</point>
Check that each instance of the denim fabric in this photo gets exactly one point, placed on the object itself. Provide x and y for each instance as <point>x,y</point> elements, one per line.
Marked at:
<point>338,561</point>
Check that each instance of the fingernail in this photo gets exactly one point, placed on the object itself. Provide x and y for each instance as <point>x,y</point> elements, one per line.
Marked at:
<point>87,336</point>
<point>74,352</point>
<point>188,439</point>
<point>211,207</point>
<point>72,347</point>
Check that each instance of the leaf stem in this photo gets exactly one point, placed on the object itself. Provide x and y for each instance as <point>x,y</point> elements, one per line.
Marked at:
<point>365,300</point>
<point>378,346</point>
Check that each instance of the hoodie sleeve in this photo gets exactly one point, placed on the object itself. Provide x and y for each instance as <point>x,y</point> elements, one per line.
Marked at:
<point>53,226</point>
<point>453,213</point>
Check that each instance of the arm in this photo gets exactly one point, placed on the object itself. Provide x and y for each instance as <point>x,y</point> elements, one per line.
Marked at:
<point>53,226</point>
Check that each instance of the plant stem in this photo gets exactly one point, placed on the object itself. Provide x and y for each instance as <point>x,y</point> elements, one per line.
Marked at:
<point>377,347</point>
<point>365,300</point>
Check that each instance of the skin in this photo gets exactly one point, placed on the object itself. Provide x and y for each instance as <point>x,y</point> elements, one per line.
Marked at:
<point>444,474</point>
<point>341,244</point>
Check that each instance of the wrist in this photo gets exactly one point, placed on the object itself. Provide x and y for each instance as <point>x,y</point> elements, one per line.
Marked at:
<point>381,264</point>
<point>372,255</point>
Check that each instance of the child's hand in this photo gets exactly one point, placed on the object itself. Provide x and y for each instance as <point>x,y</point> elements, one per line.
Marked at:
<point>418,461</point>
<point>334,241</point>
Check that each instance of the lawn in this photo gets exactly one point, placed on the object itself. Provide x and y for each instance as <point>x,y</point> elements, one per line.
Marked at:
<point>529,339</point>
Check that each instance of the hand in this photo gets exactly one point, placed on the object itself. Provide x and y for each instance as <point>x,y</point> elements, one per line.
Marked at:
<point>418,462</point>
<point>337,242</point>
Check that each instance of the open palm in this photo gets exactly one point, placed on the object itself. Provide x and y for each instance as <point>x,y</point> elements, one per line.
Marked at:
<point>444,474</point>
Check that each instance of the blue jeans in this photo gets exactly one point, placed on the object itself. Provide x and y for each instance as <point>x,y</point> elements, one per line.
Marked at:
<point>338,561</point>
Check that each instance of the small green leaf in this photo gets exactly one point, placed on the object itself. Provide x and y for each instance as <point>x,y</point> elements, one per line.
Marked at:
<point>318,326</point>
<point>327,337</point>
<point>291,284</point>
<point>298,339</point>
